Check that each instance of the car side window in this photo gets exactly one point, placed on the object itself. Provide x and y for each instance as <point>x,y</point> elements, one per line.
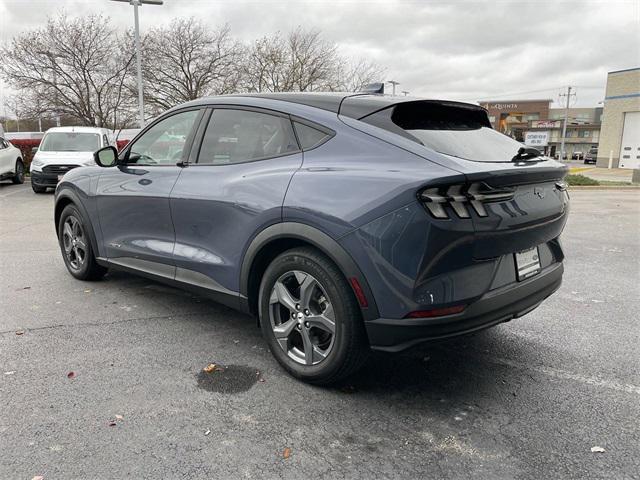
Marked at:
<point>3,144</point>
<point>105,140</point>
<point>309,137</point>
<point>236,136</point>
<point>163,143</point>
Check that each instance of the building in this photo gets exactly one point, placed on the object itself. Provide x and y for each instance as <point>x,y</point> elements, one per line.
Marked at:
<point>583,131</point>
<point>513,117</point>
<point>620,134</point>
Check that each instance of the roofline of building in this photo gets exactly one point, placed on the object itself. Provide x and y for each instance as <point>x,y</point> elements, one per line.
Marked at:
<point>624,70</point>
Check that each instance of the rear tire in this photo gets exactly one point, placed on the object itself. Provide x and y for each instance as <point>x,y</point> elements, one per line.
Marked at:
<point>75,245</point>
<point>303,297</point>
<point>18,178</point>
<point>37,189</point>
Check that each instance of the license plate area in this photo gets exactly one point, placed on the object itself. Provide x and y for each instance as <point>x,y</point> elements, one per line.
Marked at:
<point>527,263</point>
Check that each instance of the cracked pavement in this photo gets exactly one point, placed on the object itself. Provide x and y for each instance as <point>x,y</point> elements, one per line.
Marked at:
<point>527,399</point>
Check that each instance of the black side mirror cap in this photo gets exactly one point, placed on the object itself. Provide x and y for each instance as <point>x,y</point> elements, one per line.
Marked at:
<point>106,156</point>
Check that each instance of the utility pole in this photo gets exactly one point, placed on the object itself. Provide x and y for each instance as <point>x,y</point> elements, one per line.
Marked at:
<point>136,4</point>
<point>405,93</point>
<point>393,83</point>
<point>566,119</point>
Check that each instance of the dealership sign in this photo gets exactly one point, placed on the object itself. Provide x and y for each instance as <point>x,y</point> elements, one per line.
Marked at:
<point>502,106</point>
<point>536,139</point>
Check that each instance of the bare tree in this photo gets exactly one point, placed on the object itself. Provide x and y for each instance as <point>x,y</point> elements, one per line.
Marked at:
<point>355,74</point>
<point>77,67</point>
<point>186,60</point>
<point>301,61</point>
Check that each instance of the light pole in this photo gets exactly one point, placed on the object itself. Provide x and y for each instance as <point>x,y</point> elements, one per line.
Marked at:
<point>393,83</point>
<point>136,4</point>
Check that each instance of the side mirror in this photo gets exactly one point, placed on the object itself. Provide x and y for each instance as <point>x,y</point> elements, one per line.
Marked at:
<point>34,150</point>
<point>106,156</point>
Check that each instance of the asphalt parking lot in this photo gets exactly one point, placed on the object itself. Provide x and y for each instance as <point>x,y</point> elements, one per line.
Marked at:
<point>528,399</point>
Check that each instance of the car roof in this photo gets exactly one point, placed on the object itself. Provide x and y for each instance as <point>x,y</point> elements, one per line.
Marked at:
<point>354,105</point>
<point>78,129</point>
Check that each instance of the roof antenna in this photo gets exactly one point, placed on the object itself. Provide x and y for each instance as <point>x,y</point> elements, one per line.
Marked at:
<point>372,88</point>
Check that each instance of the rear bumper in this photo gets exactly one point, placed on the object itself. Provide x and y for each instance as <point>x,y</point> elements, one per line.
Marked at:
<point>40,179</point>
<point>496,306</point>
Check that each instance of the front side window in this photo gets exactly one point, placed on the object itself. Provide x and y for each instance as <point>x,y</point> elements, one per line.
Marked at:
<point>164,143</point>
<point>236,136</point>
<point>70,142</point>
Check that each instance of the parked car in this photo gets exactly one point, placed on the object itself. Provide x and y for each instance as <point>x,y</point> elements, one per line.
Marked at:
<point>63,149</point>
<point>11,164</point>
<point>343,222</point>
<point>591,156</point>
<point>577,155</point>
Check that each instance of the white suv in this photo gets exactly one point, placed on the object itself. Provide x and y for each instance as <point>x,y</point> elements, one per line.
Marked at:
<point>11,165</point>
<point>65,148</point>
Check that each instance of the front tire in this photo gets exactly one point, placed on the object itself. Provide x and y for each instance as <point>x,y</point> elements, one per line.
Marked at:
<point>37,189</point>
<point>18,178</point>
<point>75,245</point>
<point>310,317</point>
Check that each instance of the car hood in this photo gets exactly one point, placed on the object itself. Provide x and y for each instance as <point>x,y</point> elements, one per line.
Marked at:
<point>63,158</point>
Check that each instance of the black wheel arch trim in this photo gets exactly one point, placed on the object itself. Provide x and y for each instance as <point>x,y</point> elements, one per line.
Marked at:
<point>73,198</point>
<point>320,240</point>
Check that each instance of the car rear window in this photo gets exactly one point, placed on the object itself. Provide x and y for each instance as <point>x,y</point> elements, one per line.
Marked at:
<point>70,142</point>
<point>453,129</point>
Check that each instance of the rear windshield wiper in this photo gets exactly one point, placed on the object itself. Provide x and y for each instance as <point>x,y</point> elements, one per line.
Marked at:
<point>526,153</point>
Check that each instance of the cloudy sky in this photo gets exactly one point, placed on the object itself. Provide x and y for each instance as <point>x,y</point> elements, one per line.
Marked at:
<point>456,49</point>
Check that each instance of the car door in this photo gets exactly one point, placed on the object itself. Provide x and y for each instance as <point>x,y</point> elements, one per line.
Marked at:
<point>233,187</point>
<point>6,157</point>
<point>133,198</point>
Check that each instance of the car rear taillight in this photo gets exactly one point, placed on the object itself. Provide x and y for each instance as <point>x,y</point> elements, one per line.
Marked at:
<point>439,200</point>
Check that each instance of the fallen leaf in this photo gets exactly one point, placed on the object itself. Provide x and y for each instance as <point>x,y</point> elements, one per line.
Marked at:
<point>10,372</point>
<point>212,367</point>
<point>112,423</point>
<point>26,288</point>
<point>19,332</point>
<point>207,432</point>
<point>287,453</point>
<point>119,417</point>
<point>71,375</point>
<point>88,290</point>
<point>597,449</point>
<point>236,341</point>
<point>38,477</point>
<point>262,380</point>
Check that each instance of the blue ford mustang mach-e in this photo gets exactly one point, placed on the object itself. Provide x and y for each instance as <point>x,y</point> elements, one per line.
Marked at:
<point>343,222</point>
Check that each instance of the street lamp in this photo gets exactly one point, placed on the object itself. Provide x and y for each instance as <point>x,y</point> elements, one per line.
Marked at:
<point>136,4</point>
<point>393,83</point>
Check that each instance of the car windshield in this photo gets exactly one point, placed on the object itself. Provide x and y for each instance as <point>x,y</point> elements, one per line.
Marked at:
<point>70,142</point>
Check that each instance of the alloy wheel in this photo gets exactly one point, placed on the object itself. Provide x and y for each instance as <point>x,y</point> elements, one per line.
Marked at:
<point>74,242</point>
<point>302,317</point>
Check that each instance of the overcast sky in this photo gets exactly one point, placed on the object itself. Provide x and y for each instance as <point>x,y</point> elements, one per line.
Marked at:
<point>455,49</point>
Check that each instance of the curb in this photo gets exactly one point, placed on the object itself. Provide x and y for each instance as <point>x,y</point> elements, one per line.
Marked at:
<point>604,187</point>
